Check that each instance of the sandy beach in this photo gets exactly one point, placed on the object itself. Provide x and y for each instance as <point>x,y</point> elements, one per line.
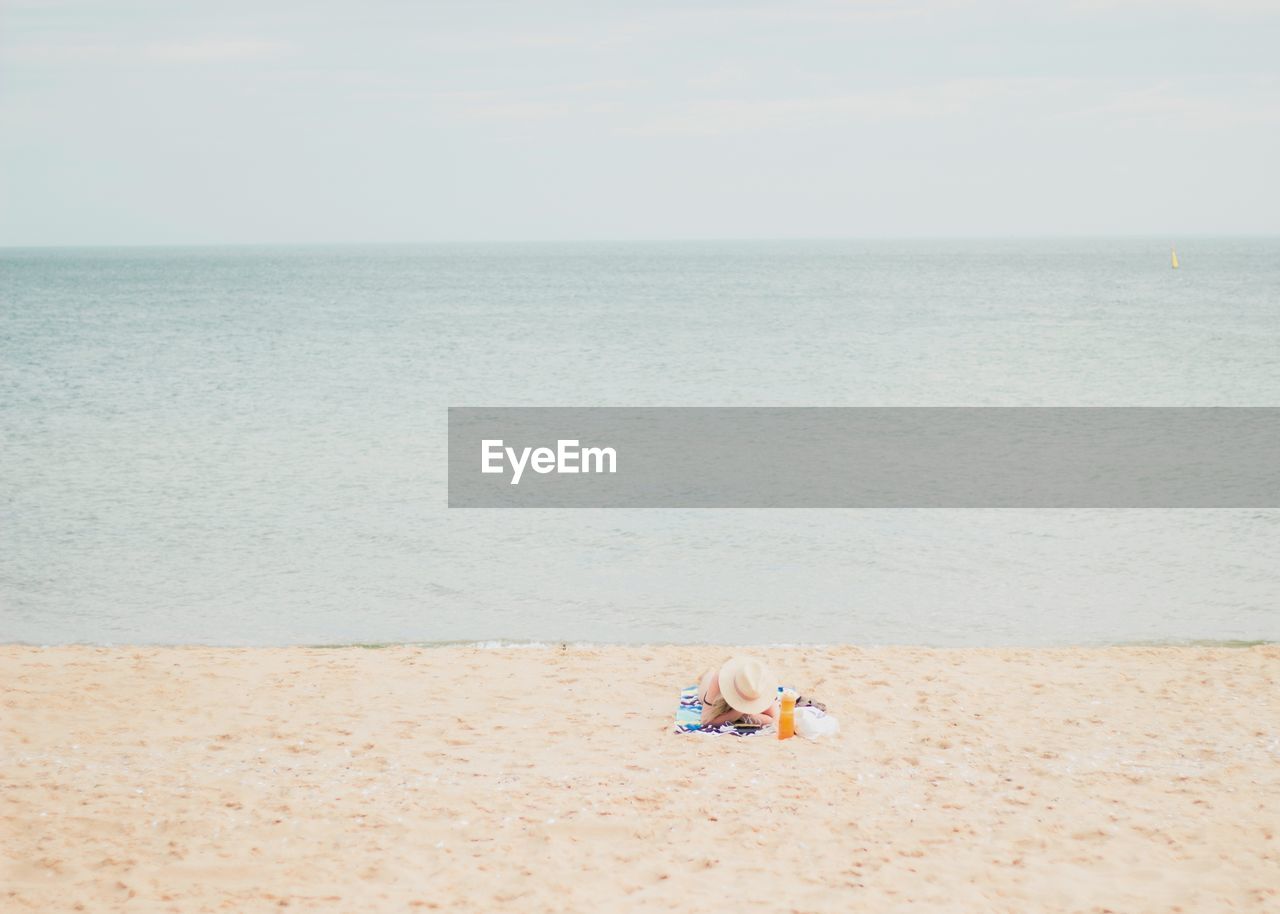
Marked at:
<point>548,779</point>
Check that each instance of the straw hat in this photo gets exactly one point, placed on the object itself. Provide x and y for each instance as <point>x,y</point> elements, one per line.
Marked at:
<point>747,685</point>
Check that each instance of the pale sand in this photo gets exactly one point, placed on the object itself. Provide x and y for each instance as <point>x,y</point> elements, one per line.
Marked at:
<point>1126,779</point>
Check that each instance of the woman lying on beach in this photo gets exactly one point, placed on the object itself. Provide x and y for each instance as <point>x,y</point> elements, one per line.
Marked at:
<point>743,691</point>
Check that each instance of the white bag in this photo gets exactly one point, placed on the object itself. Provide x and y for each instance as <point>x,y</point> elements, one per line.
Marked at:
<point>812,723</point>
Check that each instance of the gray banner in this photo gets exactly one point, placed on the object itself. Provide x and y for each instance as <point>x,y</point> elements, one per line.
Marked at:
<point>924,457</point>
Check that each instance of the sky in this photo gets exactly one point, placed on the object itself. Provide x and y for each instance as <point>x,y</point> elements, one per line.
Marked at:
<point>314,122</point>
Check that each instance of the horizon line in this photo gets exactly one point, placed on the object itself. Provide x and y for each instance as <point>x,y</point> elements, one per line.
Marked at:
<point>752,239</point>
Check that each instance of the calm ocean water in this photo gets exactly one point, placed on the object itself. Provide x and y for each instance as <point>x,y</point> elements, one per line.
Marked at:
<point>247,446</point>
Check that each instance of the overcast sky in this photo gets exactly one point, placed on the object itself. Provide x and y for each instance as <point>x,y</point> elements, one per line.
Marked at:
<point>172,122</point>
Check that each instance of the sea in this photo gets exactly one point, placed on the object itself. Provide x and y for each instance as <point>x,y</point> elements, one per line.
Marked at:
<point>247,445</point>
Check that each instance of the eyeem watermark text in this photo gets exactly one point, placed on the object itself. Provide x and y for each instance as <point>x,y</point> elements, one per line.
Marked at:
<point>851,457</point>
<point>566,457</point>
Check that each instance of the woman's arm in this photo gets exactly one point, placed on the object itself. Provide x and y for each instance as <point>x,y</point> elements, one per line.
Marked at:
<point>768,716</point>
<point>725,718</point>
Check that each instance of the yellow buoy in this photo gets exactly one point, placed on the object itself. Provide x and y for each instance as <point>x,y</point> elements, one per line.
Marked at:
<point>1174,255</point>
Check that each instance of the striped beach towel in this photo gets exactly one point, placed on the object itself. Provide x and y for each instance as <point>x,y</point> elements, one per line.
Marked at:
<point>689,714</point>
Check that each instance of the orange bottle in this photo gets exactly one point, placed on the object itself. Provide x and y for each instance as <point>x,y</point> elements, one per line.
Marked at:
<point>787,717</point>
